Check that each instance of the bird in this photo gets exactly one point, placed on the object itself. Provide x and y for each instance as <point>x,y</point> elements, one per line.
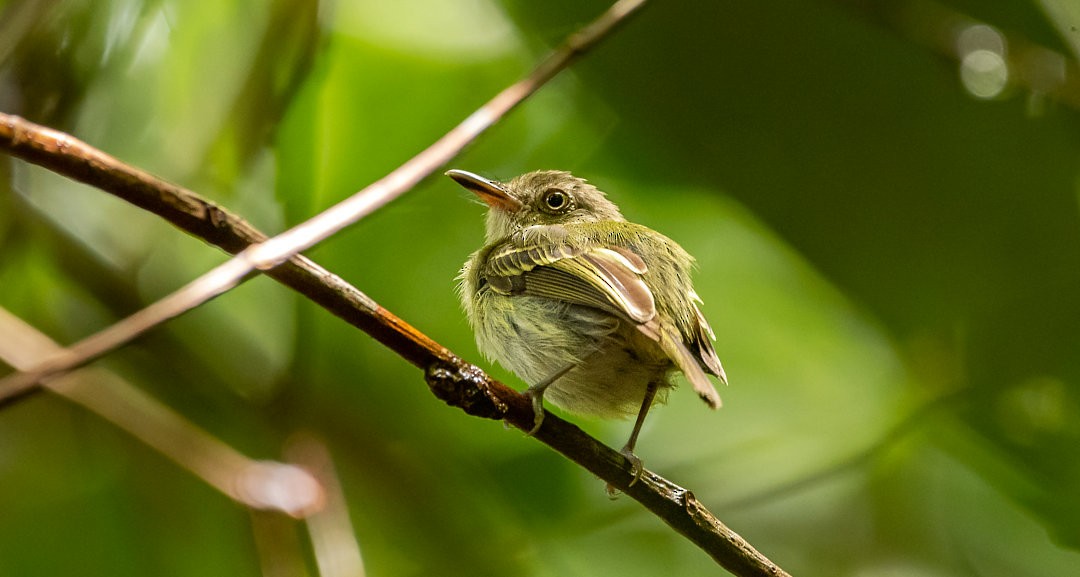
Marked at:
<point>596,314</point>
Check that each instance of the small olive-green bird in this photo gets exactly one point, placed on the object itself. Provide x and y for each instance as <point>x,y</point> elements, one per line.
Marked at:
<point>593,312</point>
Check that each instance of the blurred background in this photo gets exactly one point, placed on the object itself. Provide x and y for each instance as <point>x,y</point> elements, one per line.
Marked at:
<point>883,197</point>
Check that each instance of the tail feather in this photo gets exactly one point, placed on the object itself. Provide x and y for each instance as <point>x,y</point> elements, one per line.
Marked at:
<point>672,344</point>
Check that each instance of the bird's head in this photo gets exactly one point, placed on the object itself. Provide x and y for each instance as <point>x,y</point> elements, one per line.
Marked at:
<point>543,197</point>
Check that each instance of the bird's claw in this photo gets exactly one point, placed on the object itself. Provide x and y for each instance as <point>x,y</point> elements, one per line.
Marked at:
<point>537,398</point>
<point>636,466</point>
<point>535,392</point>
<point>636,469</point>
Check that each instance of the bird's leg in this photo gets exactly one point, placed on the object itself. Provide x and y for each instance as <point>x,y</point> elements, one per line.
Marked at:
<point>627,451</point>
<point>536,394</point>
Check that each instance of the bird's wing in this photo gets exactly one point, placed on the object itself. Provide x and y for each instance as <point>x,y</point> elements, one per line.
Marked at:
<point>605,278</point>
<point>610,279</point>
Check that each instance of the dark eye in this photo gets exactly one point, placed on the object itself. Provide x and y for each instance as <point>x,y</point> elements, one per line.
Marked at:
<point>556,200</point>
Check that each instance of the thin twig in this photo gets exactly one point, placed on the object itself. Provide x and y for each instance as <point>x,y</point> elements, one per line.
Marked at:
<point>456,382</point>
<point>263,485</point>
<point>278,545</point>
<point>333,540</point>
<point>274,251</point>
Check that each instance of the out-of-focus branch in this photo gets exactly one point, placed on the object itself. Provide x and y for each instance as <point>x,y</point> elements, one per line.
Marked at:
<point>274,251</point>
<point>263,485</point>
<point>333,540</point>
<point>278,545</point>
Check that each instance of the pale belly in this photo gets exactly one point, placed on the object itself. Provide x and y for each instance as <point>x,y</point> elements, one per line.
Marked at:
<point>535,337</point>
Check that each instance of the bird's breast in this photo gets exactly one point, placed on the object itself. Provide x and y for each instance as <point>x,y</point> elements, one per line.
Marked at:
<point>535,337</point>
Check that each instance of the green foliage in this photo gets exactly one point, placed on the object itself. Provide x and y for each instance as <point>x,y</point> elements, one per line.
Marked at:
<point>892,267</point>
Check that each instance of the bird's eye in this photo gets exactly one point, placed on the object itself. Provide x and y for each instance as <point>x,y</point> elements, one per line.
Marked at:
<point>556,200</point>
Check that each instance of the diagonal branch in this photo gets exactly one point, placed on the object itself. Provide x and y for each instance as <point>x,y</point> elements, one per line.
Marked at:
<point>273,251</point>
<point>458,383</point>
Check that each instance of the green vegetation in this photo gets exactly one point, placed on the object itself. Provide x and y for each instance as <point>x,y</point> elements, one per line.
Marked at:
<point>891,264</point>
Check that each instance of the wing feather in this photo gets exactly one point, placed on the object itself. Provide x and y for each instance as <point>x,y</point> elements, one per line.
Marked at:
<point>701,339</point>
<point>598,277</point>
<point>617,280</point>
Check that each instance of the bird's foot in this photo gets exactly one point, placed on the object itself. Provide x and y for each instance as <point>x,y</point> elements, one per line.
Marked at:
<point>636,466</point>
<point>536,395</point>
<point>636,469</point>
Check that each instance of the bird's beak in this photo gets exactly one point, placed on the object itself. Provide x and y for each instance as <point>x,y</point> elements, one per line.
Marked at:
<point>492,192</point>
